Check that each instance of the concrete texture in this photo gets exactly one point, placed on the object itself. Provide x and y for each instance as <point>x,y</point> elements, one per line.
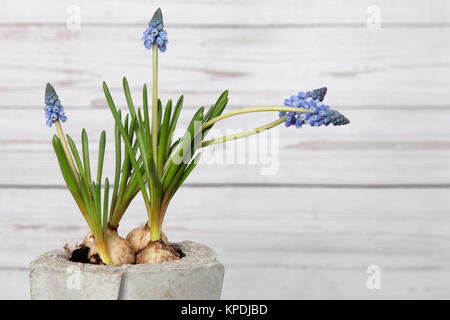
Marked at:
<point>198,275</point>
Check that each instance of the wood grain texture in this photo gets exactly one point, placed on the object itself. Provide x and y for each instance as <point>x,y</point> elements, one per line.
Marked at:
<point>374,192</point>
<point>395,67</point>
<point>216,12</point>
<point>312,244</point>
<point>379,146</point>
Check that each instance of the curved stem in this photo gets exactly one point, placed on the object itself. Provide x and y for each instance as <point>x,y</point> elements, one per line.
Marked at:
<point>250,110</point>
<point>244,134</point>
<point>231,114</point>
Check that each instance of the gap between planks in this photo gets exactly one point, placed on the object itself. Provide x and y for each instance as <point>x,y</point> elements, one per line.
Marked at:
<point>270,185</point>
<point>386,25</point>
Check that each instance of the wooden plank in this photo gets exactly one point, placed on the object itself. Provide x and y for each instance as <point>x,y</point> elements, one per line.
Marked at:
<point>375,148</point>
<point>360,67</point>
<point>248,12</point>
<point>302,168</point>
<point>305,283</point>
<point>15,285</point>
<point>316,245</point>
<point>382,125</point>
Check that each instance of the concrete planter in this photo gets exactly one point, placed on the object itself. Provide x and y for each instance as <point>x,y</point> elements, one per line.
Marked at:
<point>198,275</point>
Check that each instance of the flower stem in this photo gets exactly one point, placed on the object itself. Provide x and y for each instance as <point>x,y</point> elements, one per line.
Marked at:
<point>155,105</point>
<point>230,114</point>
<point>250,110</point>
<point>65,146</point>
<point>244,134</point>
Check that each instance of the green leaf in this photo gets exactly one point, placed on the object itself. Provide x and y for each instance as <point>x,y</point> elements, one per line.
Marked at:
<point>141,143</point>
<point>128,145</point>
<point>85,145</point>
<point>168,176</point>
<point>174,145</point>
<point>170,184</point>
<point>66,171</point>
<point>97,205</point>
<point>173,124</point>
<point>126,90</point>
<point>187,172</point>
<point>105,205</point>
<point>185,144</point>
<point>208,114</point>
<point>163,137</point>
<point>188,138</point>
<point>75,154</point>
<point>101,156</point>
<point>216,111</point>
<point>150,167</point>
<point>146,116</point>
<point>177,181</point>
<point>85,192</point>
<point>159,115</point>
<point>140,120</point>
<point>139,136</point>
<point>118,151</point>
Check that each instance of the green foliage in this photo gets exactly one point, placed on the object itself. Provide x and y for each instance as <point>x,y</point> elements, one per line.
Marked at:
<point>93,204</point>
<point>151,163</point>
<point>159,178</point>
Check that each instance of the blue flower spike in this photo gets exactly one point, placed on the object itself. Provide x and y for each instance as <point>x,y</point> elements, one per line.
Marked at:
<point>319,113</point>
<point>53,109</point>
<point>155,33</point>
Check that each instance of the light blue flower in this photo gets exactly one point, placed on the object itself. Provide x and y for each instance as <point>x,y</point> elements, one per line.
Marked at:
<point>155,33</point>
<point>319,113</point>
<point>319,94</point>
<point>53,109</point>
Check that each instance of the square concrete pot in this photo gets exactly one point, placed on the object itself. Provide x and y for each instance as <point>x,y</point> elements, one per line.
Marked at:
<point>198,275</point>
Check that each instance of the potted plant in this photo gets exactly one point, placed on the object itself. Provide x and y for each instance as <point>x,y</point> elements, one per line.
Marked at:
<point>149,161</point>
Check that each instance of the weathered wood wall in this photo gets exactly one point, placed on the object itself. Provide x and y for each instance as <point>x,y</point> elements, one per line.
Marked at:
<point>372,193</point>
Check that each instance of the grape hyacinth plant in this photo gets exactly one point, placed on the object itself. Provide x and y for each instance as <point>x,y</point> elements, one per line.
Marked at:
<point>153,163</point>
<point>103,243</point>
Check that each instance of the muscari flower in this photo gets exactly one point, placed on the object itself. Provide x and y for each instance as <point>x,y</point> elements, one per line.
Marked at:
<point>53,108</point>
<point>319,113</point>
<point>155,33</point>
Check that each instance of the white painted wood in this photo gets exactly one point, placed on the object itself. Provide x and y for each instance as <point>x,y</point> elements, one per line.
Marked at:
<point>246,12</point>
<point>371,125</point>
<point>14,284</point>
<point>379,146</point>
<point>303,243</point>
<point>395,67</point>
<point>307,167</point>
<point>303,240</point>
